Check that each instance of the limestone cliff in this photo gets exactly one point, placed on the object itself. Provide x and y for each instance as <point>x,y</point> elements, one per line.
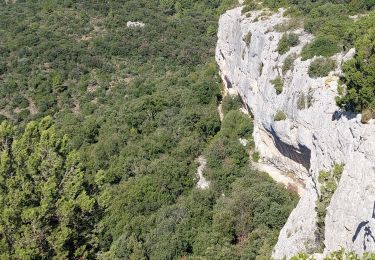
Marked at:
<point>310,139</point>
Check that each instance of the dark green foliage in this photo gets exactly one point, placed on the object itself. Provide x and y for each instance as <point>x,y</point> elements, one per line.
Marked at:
<point>231,103</point>
<point>321,67</point>
<point>287,41</point>
<point>322,46</point>
<point>359,72</point>
<point>47,209</point>
<point>328,183</point>
<point>237,124</point>
<point>278,84</point>
<point>113,175</point>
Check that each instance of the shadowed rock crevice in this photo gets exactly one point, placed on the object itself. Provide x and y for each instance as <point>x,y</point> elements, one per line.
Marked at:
<point>301,155</point>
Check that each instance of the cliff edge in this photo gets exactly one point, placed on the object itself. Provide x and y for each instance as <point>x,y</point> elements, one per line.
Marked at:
<point>310,138</point>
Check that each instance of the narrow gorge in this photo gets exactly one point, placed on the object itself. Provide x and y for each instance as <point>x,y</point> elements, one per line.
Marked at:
<point>309,138</point>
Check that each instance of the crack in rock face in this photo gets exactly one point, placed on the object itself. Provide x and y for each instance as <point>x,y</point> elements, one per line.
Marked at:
<point>308,139</point>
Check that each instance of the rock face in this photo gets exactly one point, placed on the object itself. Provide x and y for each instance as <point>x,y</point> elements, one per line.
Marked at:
<point>314,136</point>
<point>131,24</point>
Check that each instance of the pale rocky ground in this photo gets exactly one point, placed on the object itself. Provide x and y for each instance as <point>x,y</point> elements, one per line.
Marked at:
<point>202,182</point>
<point>308,141</point>
<point>131,24</point>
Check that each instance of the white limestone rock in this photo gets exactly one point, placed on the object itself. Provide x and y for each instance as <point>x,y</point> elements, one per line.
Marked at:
<point>309,140</point>
<point>131,24</point>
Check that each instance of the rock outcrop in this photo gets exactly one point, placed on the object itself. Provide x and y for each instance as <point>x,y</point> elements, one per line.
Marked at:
<point>131,24</point>
<point>313,137</point>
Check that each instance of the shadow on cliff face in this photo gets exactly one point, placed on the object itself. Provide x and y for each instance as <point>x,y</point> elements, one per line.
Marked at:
<point>301,155</point>
<point>348,114</point>
<point>368,237</point>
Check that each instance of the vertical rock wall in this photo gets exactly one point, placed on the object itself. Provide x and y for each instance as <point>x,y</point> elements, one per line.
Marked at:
<point>308,140</point>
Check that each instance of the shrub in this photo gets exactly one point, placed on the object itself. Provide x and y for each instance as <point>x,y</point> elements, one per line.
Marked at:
<point>301,101</point>
<point>247,39</point>
<point>367,114</point>
<point>287,26</point>
<point>255,156</point>
<point>289,62</point>
<point>328,183</point>
<point>287,40</point>
<point>325,46</point>
<point>237,124</point>
<point>278,84</point>
<point>309,99</point>
<point>321,67</point>
<point>249,6</point>
<point>231,103</point>
<point>359,72</point>
<point>279,116</point>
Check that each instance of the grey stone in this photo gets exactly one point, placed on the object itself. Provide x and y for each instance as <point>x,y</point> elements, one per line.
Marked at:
<point>309,140</point>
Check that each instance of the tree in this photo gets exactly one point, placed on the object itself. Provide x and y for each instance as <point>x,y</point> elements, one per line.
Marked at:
<point>46,208</point>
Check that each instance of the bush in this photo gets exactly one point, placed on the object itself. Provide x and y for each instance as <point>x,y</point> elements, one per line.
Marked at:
<point>247,39</point>
<point>321,67</point>
<point>287,41</point>
<point>288,25</point>
<point>237,124</point>
<point>231,103</point>
<point>328,184</point>
<point>301,101</point>
<point>255,156</point>
<point>359,72</point>
<point>278,84</point>
<point>367,115</point>
<point>250,5</point>
<point>289,63</point>
<point>279,116</point>
<point>325,46</point>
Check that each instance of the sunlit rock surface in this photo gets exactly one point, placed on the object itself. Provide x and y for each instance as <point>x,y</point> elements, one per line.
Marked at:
<point>309,140</point>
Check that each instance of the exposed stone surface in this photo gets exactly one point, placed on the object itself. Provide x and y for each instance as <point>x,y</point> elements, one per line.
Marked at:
<point>309,140</point>
<point>202,182</point>
<point>131,24</point>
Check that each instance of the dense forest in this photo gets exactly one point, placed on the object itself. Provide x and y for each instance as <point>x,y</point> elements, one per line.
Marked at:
<point>101,126</point>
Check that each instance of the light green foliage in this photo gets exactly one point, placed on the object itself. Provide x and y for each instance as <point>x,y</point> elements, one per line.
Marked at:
<point>289,62</point>
<point>255,156</point>
<point>279,116</point>
<point>321,67</point>
<point>278,84</point>
<point>359,72</point>
<point>301,256</point>
<point>287,41</point>
<point>339,254</point>
<point>328,181</point>
<point>288,25</point>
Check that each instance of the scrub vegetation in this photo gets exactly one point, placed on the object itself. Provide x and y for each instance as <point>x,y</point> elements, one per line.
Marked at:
<point>101,125</point>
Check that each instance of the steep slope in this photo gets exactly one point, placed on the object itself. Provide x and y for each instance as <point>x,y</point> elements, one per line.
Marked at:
<point>311,138</point>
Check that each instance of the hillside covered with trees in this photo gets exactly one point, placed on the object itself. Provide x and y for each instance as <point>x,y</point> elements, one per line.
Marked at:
<point>100,128</point>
